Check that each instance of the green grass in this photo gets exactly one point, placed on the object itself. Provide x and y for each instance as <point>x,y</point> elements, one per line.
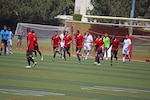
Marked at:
<point>71,81</point>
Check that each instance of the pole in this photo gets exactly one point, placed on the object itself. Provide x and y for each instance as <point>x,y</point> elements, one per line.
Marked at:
<point>131,16</point>
<point>131,28</point>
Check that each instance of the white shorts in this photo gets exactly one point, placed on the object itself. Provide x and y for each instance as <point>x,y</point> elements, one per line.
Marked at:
<point>87,46</point>
<point>9,42</point>
<point>125,51</point>
<point>62,44</point>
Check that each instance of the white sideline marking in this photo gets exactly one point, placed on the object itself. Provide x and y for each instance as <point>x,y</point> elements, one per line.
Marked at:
<point>114,89</point>
<point>28,92</point>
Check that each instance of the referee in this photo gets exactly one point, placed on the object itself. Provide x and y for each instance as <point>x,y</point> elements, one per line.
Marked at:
<point>4,36</point>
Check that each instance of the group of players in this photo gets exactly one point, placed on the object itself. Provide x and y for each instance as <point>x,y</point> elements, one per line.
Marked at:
<point>64,41</point>
<point>6,40</point>
<point>101,44</point>
<point>32,46</point>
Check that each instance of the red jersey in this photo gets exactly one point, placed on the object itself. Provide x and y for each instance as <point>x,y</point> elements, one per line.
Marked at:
<point>99,43</point>
<point>67,39</point>
<point>75,35</point>
<point>56,39</point>
<point>35,39</point>
<point>95,41</point>
<point>115,43</point>
<point>30,41</point>
<point>79,40</point>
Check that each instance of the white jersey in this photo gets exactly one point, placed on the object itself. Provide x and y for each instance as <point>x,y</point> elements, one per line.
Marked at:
<point>88,38</point>
<point>126,44</point>
<point>62,36</point>
<point>62,40</point>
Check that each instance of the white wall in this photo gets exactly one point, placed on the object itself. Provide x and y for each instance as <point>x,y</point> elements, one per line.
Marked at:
<point>81,6</point>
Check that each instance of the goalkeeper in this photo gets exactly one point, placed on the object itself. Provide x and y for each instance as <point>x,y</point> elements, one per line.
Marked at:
<point>106,40</point>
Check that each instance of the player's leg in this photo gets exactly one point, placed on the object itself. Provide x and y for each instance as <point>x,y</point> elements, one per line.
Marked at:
<point>28,60</point>
<point>106,51</point>
<point>98,58</point>
<point>95,57</point>
<point>31,58</point>
<point>54,51</point>
<point>111,58</point>
<point>88,51</point>
<point>10,48</point>
<point>85,51</point>
<point>116,54</point>
<point>2,46</point>
<point>5,46</point>
<point>64,55</point>
<point>78,54</point>
<point>68,51</point>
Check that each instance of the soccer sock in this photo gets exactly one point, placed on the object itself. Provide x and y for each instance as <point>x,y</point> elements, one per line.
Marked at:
<point>31,59</point>
<point>78,57</point>
<point>54,55</point>
<point>64,54</point>
<point>123,59</point>
<point>98,61</point>
<point>35,53</point>
<point>87,54</point>
<point>95,58</point>
<point>5,50</point>
<point>40,53</point>
<point>68,53</point>
<point>10,48</point>
<point>28,60</point>
<point>111,59</point>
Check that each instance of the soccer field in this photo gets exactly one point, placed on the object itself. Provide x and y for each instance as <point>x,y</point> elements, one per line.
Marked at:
<point>67,80</point>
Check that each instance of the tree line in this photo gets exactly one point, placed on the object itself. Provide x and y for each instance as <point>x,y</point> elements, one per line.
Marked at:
<point>43,11</point>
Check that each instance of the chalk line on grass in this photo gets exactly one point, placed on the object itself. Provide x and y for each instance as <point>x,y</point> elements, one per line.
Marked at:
<point>29,92</point>
<point>114,89</point>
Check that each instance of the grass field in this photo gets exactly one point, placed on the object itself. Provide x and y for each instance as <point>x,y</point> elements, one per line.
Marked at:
<point>67,80</point>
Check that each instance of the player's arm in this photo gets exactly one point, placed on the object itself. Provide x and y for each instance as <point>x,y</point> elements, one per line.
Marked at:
<point>52,41</point>
<point>70,41</point>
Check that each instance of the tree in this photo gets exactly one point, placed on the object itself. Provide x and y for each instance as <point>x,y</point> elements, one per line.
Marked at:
<point>121,8</point>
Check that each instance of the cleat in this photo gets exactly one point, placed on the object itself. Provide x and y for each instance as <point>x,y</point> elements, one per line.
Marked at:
<point>41,57</point>
<point>53,59</point>
<point>27,66</point>
<point>79,62</point>
<point>95,63</point>
<point>111,64</point>
<point>34,64</point>
<point>98,64</point>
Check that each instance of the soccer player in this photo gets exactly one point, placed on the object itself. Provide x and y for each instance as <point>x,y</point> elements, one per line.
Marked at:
<point>88,39</point>
<point>126,48</point>
<point>106,40</point>
<point>98,43</point>
<point>36,47</point>
<point>67,40</point>
<point>79,41</point>
<point>55,40</point>
<point>19,42</point>
<point>30,49</point>
<point>4,36</point>
<point>62,44</point>
<point>115,42</point>
<point>9,42</point>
